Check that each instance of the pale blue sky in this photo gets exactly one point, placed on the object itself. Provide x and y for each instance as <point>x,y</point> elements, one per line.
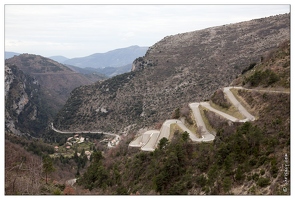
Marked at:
<point>81,30</point>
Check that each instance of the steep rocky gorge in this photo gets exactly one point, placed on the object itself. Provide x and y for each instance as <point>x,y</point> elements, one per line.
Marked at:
<point>26,112</point>
<point>55,79</point>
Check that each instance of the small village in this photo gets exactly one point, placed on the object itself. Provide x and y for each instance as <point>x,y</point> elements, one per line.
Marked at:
<point>78,143</point>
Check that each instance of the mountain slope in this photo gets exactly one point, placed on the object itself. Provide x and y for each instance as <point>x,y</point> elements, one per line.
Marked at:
<point>114,71</point>
<point>182,68</point>
<point>114,58</point>
<point>90,73</point>
<point>26,110</point>
<point>251,158</point>
<point>273,71</point>
<point>56,80</point>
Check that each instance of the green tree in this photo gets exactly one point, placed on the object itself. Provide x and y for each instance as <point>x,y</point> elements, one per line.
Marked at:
<point>47,166</point>
<point>163,143</point>
<point>176,113</point>
<point>96,175</point>
<point>239,174</point>
<point>263,182</point>
<point>227,182</point>
<point>212,174</point>
<point>185,136</point>
<point>172,166</point>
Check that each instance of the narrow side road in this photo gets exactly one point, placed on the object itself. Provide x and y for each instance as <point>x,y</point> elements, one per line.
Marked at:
<point>117,137</point>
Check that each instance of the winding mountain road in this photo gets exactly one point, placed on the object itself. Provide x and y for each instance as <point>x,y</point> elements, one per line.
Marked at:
<point>206,135</point>
<point>149,140</point>
<point>237,104</point>
<point>227,116</point>
<point>150,144</point>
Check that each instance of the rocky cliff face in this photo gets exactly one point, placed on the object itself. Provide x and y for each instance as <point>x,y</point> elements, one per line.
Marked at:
<point>25,110</point>
<point>177,70</point>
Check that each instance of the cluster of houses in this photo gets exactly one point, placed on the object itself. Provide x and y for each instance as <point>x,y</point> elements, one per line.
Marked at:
<point>111,142</point>
<point>114,142</point>
<point>76,139</point>
<point>73,140</point>
<point>87,153</point>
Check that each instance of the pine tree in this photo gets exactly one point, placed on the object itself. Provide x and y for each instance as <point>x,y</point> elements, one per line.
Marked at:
<point>47,166</point>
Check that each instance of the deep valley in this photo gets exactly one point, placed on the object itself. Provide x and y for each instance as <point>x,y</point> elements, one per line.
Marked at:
<point>201,113</point>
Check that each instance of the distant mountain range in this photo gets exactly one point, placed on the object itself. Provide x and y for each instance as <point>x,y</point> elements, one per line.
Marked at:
<point>114,58</point>
<point>60,59</point>
<point>9,54</point>
<point>110,64</point>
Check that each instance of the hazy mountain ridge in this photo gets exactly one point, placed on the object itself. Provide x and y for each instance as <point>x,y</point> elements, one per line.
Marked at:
<point>114,58</point>
<point>178,69</point>
<point>9,54</point>
<point>114,71</point>
<point>59,59</point>
<point>103,72</point>
<point>111,63</point>
<point>91,73</point>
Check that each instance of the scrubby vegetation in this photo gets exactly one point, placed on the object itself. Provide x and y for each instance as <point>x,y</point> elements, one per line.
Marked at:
<point>178,69</point>
<point>244,158</point>
<point>219,98</point>
<point>265,78</point>
<point>272,71</point>
<point>185,168</point>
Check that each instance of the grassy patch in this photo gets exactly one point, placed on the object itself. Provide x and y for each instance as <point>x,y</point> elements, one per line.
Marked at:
<point>242,101</point>
<point>206,121</point>
<point>192,127</point>
<point>85,145</point>
<point>173,129</point>
<point>232,110</point>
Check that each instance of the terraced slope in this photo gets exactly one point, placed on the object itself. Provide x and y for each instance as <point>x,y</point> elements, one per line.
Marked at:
<point>149,140</point>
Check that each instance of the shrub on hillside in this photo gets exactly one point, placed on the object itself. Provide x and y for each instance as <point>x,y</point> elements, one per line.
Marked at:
<point>263,182</point>
<point>219,99</point>
<point>264,78</point>
<point>248,68</point>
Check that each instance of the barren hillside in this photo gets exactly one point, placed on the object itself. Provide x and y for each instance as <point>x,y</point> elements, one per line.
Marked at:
<point>245,157</point>
<point>178,69</point>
